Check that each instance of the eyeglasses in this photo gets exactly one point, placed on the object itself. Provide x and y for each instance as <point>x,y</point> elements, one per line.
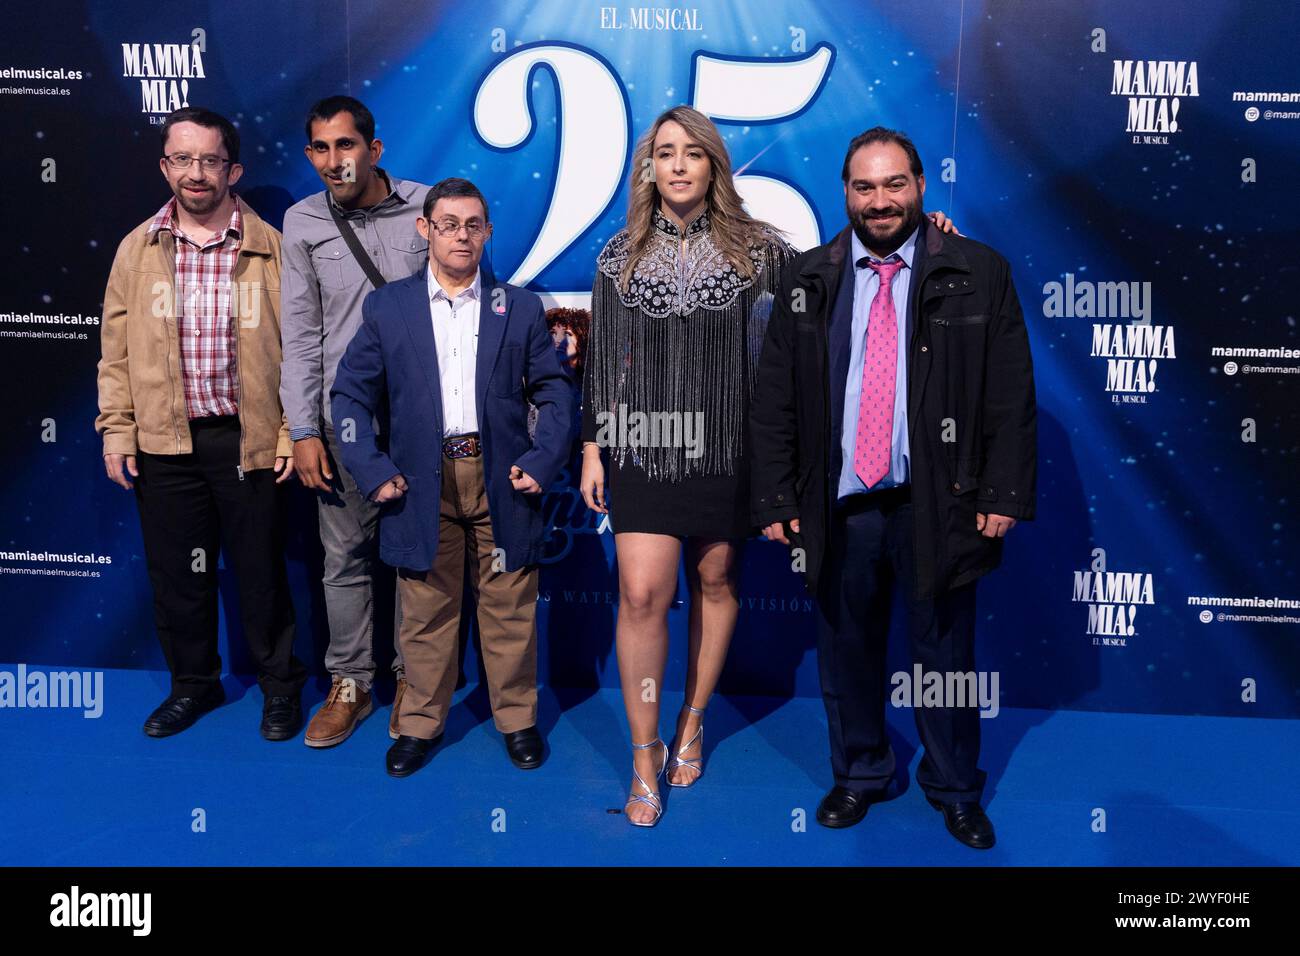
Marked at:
<point>209,164</point>
<point>450,227</point>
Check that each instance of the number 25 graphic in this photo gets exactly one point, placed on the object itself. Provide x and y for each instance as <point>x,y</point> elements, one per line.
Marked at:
<point>594,131</point>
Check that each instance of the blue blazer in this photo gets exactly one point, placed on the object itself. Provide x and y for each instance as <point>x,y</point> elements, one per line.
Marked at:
<point>390,371</point>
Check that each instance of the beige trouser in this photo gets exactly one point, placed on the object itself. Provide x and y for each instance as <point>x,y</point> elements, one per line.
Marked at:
<point>431,606</point>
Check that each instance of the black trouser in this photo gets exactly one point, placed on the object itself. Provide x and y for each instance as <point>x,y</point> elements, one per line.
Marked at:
<point>869,548</point>
<point>191,505</point>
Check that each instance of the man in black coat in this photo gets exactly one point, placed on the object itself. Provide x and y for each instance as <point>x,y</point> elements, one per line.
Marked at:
<point>893,438</point>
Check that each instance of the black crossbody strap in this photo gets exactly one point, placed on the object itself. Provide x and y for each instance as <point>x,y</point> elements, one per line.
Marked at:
<point>358,251</point>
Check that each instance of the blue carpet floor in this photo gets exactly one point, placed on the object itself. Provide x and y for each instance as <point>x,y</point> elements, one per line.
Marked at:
<point>1173,790</point>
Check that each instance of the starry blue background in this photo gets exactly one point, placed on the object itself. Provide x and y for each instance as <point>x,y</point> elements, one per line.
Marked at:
<point>1010,91</point>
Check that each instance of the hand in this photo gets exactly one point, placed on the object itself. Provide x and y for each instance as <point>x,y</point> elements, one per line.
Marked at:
<point>523,481</point>
<point>391,490</point>
<point>283,468</point>
<point>592,481</point>
<point>312,463</point>
<point>943,223</point>
<point>994,526</point>
<point>774,531</point>
<point>113,465</point>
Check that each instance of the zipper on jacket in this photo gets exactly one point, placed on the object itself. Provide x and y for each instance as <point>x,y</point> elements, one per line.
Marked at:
<point>918,323</point>
<point>831,482</point>
<point>239,362</point>
<point>169,252</point>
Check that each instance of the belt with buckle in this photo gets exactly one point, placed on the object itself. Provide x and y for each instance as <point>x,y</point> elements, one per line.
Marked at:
<point>462,446</point>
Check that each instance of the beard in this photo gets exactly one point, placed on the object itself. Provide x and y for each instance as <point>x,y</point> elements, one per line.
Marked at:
<point>199,205</point>
<point>884,237</point>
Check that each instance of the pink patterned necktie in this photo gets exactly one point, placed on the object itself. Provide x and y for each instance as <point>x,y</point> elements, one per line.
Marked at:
<point>873,446</point>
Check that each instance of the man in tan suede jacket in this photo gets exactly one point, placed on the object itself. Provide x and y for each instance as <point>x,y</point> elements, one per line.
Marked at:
<point>189,407</point>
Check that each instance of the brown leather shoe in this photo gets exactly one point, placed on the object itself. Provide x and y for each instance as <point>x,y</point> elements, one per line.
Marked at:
<point>345,707</point>
<point>397,708</point>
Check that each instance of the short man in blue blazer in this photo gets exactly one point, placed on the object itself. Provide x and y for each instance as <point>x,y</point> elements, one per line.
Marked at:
<point>449,360</point>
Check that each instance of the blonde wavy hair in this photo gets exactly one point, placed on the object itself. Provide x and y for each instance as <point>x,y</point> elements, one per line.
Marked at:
<point>733,230</point>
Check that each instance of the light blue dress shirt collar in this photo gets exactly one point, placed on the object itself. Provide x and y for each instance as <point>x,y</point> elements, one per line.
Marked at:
<point>906,251</point>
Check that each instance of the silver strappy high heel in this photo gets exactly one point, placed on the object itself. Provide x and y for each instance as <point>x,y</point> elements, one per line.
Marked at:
<point>651,797</point>
<point>697,763</point>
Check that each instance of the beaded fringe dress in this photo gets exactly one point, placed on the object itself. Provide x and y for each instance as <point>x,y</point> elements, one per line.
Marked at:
<point>673,357</point>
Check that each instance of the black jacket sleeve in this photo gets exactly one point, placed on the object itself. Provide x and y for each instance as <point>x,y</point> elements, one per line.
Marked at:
<point>1010,412</point>
<point>773,419</point>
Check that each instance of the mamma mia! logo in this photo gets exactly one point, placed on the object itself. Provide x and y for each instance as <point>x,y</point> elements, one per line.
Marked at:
<point>1132,351</point>
<point>1155,91</point>
<point>1113,599</point>
<point>164,71</point>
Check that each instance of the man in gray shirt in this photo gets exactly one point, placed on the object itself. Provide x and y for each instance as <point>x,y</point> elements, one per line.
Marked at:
<point>323,285</point>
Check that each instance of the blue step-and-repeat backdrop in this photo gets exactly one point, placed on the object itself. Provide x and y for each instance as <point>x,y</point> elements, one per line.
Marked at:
<point>1136,163</point>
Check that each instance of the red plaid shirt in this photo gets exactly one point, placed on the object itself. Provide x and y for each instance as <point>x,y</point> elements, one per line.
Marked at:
<point>204,314</point>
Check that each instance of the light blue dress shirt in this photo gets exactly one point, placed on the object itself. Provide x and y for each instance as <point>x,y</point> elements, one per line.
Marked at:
<point>866,283</point>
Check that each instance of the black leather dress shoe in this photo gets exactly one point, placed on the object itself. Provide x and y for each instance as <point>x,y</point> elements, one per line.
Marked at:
<point>282,717</point>
<point>967,822</point>
<point>177,713</point>
<point>843,807</point>
<point>525,747</point>
<point>409,754</point>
